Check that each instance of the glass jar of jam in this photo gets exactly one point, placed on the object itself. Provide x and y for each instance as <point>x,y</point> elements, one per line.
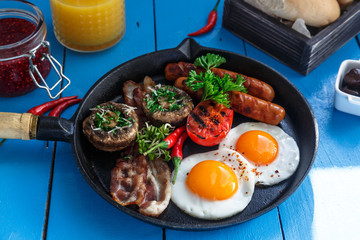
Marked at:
<point>24,52</point>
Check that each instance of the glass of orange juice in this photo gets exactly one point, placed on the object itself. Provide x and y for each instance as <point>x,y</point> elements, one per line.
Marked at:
<point>88,25</point>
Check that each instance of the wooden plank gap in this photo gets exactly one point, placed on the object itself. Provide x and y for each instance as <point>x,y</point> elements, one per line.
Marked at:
<point>155,36</point>
<point>281,226</point>
<point>357,40</point>
<point>48,199</point>
<point>63,66</point>
<point>244,47</point>
<point>163,234</point>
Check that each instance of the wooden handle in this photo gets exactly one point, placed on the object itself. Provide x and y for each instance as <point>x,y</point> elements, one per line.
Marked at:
<point>18,126</point>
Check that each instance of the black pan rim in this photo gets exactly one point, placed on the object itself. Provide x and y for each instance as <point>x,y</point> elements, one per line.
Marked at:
<point>211,225</point>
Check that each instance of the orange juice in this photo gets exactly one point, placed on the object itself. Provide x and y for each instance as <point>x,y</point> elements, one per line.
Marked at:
<point>88,25</point>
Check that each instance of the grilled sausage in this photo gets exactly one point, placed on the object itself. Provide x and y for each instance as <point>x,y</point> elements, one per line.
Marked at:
<point>181,69</point>
<point>256,108</point>
<point>254,86</point>
<point>181,84</point>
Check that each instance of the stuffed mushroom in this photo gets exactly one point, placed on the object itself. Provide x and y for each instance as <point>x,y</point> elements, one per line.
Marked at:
<point>166,104</point>
<point>111,126</point>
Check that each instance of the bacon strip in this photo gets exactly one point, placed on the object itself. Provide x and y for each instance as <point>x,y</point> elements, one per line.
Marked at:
<point>145,184</point>
<point>158,192</point>
<point>128,181</point>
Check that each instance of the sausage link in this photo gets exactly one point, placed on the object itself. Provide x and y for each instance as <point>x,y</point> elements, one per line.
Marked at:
<point>181,83</point>
<point>255,87</point>
<point>256,108</point>
<point>181,69</point>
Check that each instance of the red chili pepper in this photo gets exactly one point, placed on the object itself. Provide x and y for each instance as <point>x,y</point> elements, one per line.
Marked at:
<point>169,141</point>
<point>177,154</point>
<point>210,23</point>
<point>43,108</point>
<point>62,106</point>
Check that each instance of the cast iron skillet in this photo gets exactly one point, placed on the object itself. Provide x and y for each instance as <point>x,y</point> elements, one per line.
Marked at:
<point>96,165</point>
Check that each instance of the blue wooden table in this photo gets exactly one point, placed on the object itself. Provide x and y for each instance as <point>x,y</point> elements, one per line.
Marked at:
<point>43,195</point>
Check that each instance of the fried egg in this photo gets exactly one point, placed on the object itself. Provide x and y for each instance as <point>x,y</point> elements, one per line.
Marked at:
<point>272,152</point>
<point>213,185</point>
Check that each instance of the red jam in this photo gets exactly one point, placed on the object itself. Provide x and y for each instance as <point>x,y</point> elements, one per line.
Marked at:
<point>15,79</point>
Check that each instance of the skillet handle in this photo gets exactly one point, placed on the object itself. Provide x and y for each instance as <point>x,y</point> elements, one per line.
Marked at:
<point>27,126</point>
<point>54,129</point>
<point>18,126</point>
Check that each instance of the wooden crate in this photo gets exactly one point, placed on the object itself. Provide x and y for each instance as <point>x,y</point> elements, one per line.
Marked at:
<point>299,52</point>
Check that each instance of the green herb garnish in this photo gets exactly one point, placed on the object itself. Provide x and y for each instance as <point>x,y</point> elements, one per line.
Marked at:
<point>165,95</point>
<point>209,61</point>
<point>150,136</point>
<point>213,86</point>
<point>110,120</point>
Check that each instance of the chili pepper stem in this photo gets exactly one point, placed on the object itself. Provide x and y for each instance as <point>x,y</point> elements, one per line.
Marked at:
<point>2,141</point>
<point>217,4</point>
<point>176,161</point>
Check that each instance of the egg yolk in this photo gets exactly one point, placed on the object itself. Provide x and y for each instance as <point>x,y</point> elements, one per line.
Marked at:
<point>212,180</point>
<point>258,147</point>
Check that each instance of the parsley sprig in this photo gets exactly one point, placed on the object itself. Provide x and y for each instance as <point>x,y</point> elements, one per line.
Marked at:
<point>213,86</point>
<point>150,136</point>
<point>209,61</point>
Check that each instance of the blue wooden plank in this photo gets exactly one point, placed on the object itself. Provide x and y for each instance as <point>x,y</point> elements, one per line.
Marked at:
<point>24,171</point>
<point>174,20</point>
<point>76,210</point>
<point>25,166</point>
<point>266,226</point>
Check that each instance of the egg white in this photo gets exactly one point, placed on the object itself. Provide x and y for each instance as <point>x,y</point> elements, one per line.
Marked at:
<point>287,159</point>
<point>199,207</point>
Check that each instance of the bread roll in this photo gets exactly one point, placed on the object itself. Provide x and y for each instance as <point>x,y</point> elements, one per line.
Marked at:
<point>316,13</point>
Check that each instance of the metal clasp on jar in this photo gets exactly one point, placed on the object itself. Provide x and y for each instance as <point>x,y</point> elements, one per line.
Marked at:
<point>54,63</point>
